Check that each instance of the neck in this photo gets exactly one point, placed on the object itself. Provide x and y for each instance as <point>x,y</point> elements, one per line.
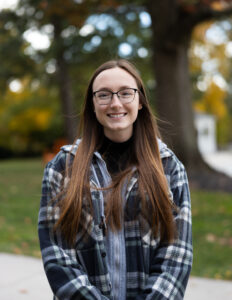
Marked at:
<point>116,144</point>
<point>118,137</point>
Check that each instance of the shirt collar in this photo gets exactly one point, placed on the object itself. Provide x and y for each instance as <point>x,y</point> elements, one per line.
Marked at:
<point>164,151</point>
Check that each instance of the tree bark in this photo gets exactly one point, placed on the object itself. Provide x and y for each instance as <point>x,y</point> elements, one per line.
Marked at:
<point>70,123</point>
<point>64,81</point>
<point>174,104</point>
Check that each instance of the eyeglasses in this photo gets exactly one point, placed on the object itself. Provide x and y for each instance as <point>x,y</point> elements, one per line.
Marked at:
<point>104,97</point>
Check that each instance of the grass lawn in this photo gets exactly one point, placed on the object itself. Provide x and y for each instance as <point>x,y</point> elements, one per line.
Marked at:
<point>20,188</point>
<point>212,234</point>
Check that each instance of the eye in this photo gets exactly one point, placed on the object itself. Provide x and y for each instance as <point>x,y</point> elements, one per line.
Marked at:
<point>126,93</point>
<point>103,94</point>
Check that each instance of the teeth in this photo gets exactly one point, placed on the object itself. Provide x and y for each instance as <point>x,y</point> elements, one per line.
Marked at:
<point>116,115</point>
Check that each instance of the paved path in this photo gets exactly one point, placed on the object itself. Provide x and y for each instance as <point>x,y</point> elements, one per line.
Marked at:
<point>23,278</point>
<point>221,161</point>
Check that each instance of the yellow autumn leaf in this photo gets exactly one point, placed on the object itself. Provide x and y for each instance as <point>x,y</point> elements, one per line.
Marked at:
<point>43,118</point>
<point>213,101</point>
<point>200,30</point>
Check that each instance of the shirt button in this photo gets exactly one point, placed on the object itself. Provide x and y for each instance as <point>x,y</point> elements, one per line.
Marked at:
<point>103,254</point>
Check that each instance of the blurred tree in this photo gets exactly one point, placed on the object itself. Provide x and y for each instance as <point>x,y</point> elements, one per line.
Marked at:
<point>14,64</point>
<point>172,25</point>
<point>64,17</point>
<point>56,15</point>
<point>213,101</point>
<point>210,66</point>
<point>72,52</point>
<point>28,120</point>
<point>81,36</point>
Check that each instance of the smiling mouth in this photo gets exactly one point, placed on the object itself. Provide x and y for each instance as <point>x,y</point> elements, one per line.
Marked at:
<point>115,116</point>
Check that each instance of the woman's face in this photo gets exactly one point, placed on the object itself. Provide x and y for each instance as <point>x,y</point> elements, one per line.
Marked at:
<point>116,118</point>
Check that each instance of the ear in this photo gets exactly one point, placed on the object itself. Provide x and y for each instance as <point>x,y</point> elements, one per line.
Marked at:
<point>140,106</point>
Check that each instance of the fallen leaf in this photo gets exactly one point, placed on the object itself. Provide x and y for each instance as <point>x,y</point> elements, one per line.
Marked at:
<point>210,238</point>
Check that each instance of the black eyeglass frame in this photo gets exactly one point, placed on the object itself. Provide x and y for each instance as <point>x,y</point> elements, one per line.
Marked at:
<point>116,93</point>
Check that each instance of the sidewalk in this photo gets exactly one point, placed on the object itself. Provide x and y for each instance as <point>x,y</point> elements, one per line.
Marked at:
<point>221,161</point>
<point>23,278</point>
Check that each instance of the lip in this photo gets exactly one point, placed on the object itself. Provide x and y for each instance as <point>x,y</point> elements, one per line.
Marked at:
<point>117,115</point>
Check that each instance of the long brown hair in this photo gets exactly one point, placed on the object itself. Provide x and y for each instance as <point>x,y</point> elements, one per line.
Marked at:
<point>146,158</point>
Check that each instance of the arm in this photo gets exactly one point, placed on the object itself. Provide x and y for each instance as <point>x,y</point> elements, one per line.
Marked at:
<point>171,264</point>
<point>65,274</point>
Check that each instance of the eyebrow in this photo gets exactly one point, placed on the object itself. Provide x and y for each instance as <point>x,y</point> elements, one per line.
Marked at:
<point>121,88</point>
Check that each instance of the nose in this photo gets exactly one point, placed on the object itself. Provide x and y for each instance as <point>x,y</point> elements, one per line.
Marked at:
<point>115,102</point>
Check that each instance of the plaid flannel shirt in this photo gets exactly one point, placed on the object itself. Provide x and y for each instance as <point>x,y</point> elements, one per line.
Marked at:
<point>154,270</point>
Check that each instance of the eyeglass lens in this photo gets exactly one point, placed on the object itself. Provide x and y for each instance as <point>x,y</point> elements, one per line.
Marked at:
<point>125,96</point>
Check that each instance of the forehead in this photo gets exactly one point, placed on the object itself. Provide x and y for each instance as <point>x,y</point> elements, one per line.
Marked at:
<point>114,78</point>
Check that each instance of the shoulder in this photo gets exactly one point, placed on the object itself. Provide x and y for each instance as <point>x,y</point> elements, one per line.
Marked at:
<point>58,163</point>
<point>55,169</point>
<point>173,167</point>
<point>177,178</point>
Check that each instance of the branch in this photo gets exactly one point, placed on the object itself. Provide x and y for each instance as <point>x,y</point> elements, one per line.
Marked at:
<point>187,21</point>
<point>206,14</point>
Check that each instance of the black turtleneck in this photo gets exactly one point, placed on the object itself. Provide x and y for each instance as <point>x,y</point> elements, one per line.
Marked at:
<point>116,155</point>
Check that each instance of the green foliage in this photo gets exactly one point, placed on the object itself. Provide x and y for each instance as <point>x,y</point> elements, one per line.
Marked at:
<point>14,64</point>
<point>30,120</point>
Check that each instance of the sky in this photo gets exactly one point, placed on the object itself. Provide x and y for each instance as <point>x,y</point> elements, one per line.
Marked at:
<point>8,4</point>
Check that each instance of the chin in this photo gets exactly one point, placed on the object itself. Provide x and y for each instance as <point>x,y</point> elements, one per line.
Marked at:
<point>118,128</point>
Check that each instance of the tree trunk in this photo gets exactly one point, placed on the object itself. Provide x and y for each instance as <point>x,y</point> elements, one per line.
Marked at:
<point>65,88</point>
<point>174,104</point>
<point>66,100</point>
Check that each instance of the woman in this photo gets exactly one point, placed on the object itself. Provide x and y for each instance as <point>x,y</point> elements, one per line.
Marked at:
<point>115,219</point>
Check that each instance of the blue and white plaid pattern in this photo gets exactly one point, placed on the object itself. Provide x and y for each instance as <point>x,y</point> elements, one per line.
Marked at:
<point>154,270</point>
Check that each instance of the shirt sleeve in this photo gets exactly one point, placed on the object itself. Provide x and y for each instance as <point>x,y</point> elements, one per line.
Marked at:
<point>65,274</point>
<point>171,264</point>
